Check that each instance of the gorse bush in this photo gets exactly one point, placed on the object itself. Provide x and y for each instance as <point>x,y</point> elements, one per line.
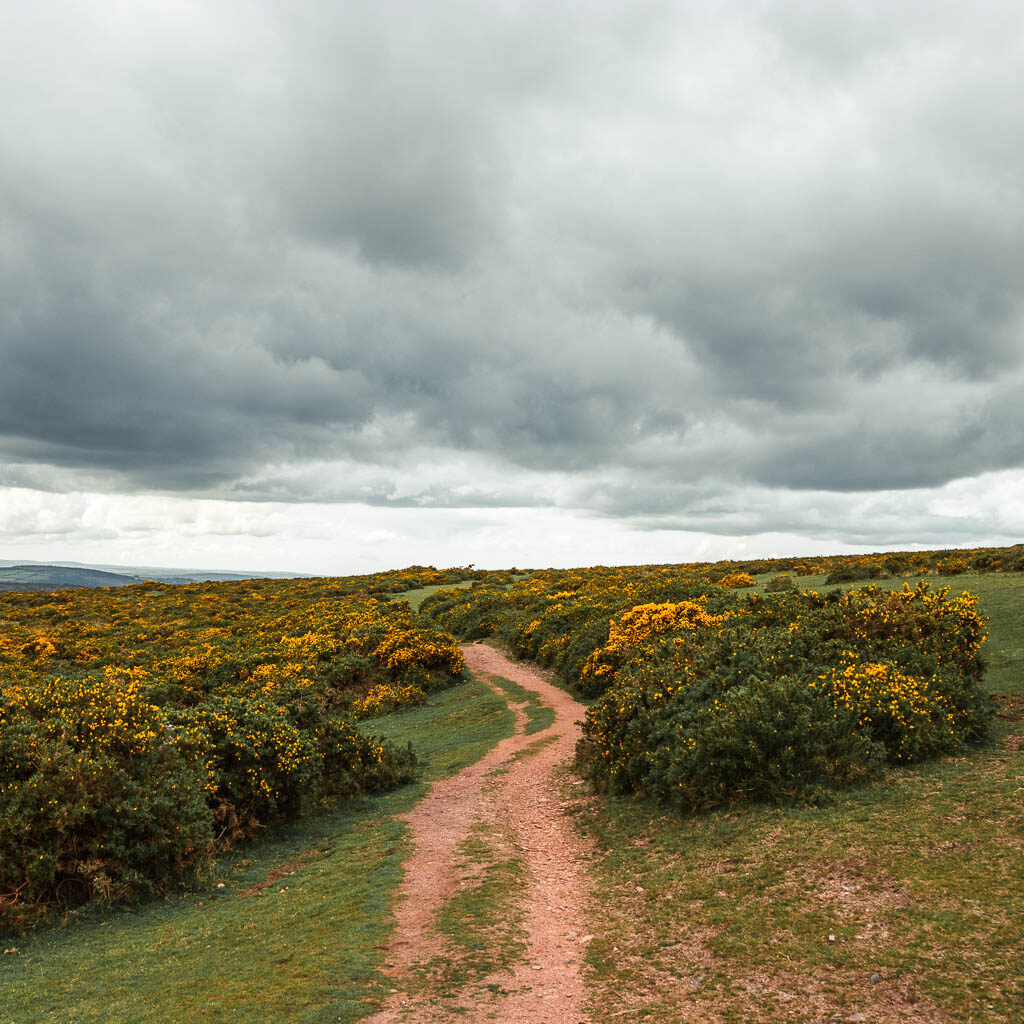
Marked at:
<point>808,569</point>
<point>94,799</point>
<point>632,630</point>
<point>699,745</point>
<point>708,696</point>
<point>793,694</point>
<point>912,717</point>
<point>848,681</point>
<point>144,729</point>
<point>387,697</point>
<point>852,569</point>
<point>736,579</point>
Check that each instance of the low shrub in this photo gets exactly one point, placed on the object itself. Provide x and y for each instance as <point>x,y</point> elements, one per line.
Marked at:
<point>854,569</point>
<point>735,580</point>
<point>143,730</point>
<point>697,746</point>
<point>635,628</point>
<point>909,715</point>
<point>387,697</point>
<point>808,569</point>
<point>259,763</point>
<point>788,695</point>
<point>95,798</point>
<point>105,795</point>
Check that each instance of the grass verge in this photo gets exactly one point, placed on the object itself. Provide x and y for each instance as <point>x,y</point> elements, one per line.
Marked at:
<point>897,902</point>
<point>296,933</point>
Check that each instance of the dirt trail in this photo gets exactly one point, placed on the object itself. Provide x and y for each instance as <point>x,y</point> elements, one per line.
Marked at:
<point>516,803</point>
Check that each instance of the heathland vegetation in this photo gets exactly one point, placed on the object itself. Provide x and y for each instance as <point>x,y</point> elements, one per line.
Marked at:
<point>825,752</point>
<point>707,692</point>
<point>145,729</point>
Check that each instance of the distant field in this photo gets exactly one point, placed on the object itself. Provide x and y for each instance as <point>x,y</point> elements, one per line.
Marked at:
<point>420,594</point>
<point>55,577</point>
<point>17,577</point>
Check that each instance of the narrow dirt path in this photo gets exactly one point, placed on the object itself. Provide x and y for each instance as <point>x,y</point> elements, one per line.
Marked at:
<point>515,802</point>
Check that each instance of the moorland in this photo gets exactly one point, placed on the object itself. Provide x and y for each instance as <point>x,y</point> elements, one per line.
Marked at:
<point>800,781</point>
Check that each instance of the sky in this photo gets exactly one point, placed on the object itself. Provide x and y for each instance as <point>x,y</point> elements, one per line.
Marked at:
<point>337,288</point>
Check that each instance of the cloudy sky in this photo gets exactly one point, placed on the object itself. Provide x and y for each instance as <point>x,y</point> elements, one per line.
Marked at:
<point>298,285</point>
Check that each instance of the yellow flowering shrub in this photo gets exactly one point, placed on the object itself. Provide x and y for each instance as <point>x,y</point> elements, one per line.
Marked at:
<point>635,627</point>
<point>910,715</point>
<point>143,727</point>
<point>808,569</point>
<point>799,691</point>
<point>387,697</point>
<point>95,797</point>
<point>735,580</point>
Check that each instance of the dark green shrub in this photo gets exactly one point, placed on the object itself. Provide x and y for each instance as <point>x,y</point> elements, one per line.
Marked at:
<point>105,795</point>
<point>95,799</point>
<point>851,572</point>
<point>263,767</point>
<point>696,746</point>
<point>791,693</point>
<point>469,616</point>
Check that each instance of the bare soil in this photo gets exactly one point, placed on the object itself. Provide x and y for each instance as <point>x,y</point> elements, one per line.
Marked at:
<point>515,802</point>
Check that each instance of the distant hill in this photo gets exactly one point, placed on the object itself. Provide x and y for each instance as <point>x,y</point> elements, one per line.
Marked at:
<point>19,576</point>
<point>57,577</point>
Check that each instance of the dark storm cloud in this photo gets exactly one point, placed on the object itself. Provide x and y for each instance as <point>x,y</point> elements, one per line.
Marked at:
<point>409,174</point>
<point>637,257</point>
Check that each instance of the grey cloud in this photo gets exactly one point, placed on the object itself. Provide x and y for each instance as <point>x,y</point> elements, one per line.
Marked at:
<point>633,258</point>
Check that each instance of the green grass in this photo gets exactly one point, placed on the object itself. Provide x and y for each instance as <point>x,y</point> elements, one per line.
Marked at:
<point>308,953</point>
<point>455,728</point>
<point>1001,599</point>
<point>525,754</point>
<point>539,716</point>
<point>420,594</point>
<point>482,923</point>
<point>726,917</point>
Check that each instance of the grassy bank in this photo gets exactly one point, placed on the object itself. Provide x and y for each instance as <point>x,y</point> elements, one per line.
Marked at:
<point>296,932</point>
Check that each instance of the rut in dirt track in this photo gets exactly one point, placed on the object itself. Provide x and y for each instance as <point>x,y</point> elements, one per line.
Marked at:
<point>521,806</point>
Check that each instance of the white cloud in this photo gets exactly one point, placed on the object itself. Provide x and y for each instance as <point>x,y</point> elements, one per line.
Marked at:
<point>341,539</point>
